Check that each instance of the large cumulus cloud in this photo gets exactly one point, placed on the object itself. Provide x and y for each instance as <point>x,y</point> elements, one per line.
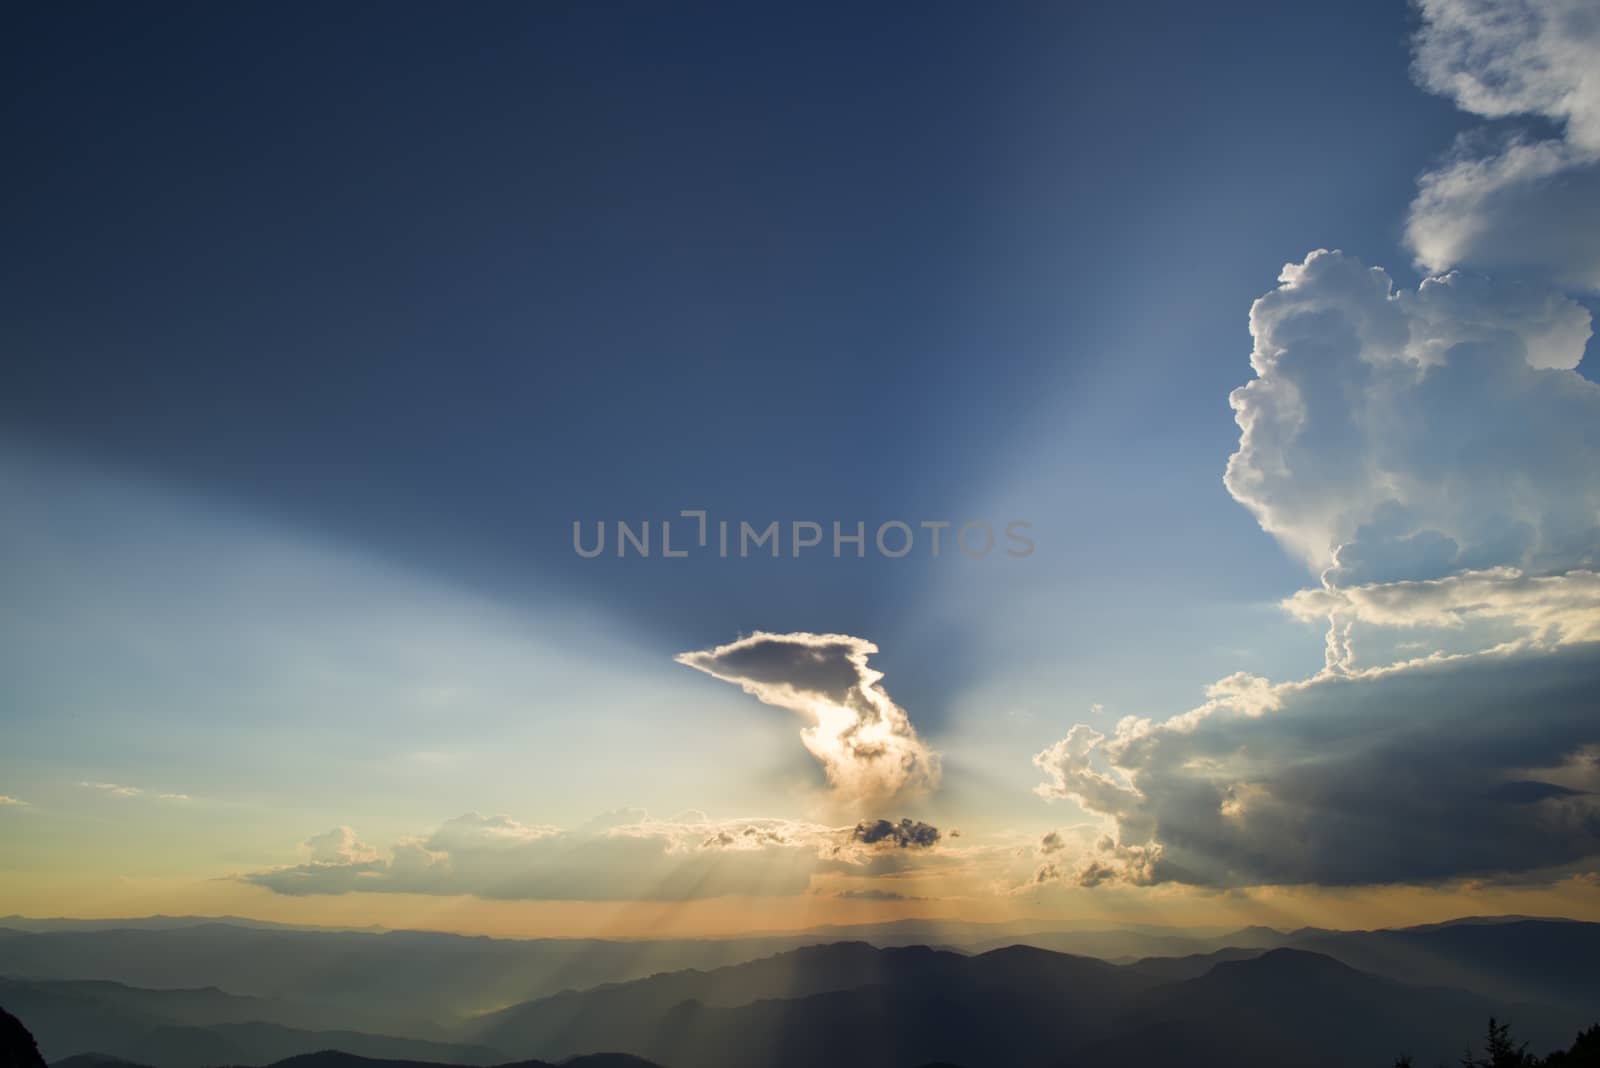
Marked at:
<point>866,743</point>
<point>1413,434</point>
<point>623,856</point>
<point>1433,456</point>
<point>1521,201</point>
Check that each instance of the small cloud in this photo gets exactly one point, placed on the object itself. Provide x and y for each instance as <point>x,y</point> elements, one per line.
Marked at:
<point>12,802</point>
<point>865,742</point>
<point>907,834</point>
<point>875,895</point>
<point>338,846</point>
<point>111,789</point>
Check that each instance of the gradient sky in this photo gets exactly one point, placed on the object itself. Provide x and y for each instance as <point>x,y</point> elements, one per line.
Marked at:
<point>324,326</point>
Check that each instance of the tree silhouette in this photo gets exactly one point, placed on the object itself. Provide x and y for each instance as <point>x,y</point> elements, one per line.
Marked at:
<point>1585,1052</point>
<point>1501,1052</point>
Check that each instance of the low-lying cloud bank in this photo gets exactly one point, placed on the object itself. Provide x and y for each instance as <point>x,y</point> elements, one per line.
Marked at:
<point>866,743</point>
<point>625,856</point>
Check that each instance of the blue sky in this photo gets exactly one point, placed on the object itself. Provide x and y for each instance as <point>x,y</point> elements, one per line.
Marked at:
<point>444,292</point>
<point>378,301</point>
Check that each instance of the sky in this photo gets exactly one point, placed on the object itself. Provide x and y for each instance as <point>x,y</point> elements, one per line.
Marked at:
<point>1254,335</point>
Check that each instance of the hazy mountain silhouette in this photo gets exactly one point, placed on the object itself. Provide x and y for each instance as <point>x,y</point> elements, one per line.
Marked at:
<point>1510,958</point>
<point>191,1028</point>
<point>332,999</point>
<point>199,1007</point>
<point>340,1059</point>
<point>412,981</point>
<point>95,1060</point>
<point>1290,1006</point>
<point>853,1006</point>
<point>1523,959</point>
<point>643,1016</point>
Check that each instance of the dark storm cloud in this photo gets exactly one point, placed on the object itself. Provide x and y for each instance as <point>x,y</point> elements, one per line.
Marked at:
<point>1477,766</point>
<point>907,834</point>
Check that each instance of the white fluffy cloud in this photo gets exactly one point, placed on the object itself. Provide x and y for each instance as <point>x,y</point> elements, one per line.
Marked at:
<point>1502,607</point>
<point>1525,204</point>
<point>338,846</point>
<point>865,742</point>
<point>1409,435</point>
<point>1433,457</point>
<point>621,856</point>
<point>111,789</point>
<point>1515,57</point>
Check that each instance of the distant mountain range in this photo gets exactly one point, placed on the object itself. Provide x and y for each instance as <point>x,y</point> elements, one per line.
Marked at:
<point>1311,998</point>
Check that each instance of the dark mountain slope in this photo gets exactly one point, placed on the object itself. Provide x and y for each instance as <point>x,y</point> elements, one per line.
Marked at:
<point>95,1060</point>
<point>154,1027</point>
<point>1293,1007</point>
<point>1535,960</point>
<point>1016,1008</point>
<point>635,1016</point>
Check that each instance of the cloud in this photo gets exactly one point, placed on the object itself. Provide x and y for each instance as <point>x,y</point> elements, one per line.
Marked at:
<point>1441,768</point>
<point>876,895</point>
<point>1528,207</point>
<point>1523,204</point>
<point>1408,435</point>
<point>865,742</point>
<point>338,846</point>
<point>1502,606</point>
<point>907,834</point>
<point>1431,456</point>
<point>5,801</point>
<point>604,860</point>
<point>111,789</point>
<point>1498,58</point>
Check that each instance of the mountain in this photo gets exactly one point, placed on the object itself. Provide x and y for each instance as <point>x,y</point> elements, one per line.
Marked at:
<point>634,1016</point>
<point>95,1060</point>
<point>415,982</point>
<point>1289,1006</point>
<point>339,1059</point>
<point>191,1028</point>
<point>854,1006</point>
<point>200,1007</point>
<point>1509,959</point>
<point>1307,996</point>
<point>45,925</point>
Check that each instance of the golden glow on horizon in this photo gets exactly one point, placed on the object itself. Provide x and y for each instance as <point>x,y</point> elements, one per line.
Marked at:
<point>1281,907</point>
